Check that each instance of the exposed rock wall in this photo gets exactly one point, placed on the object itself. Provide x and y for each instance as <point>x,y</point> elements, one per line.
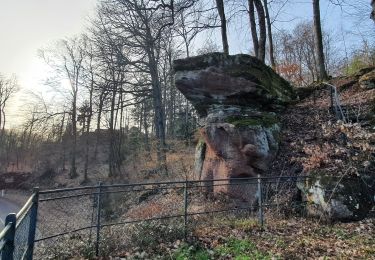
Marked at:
<point>367,81</point>
<point>333,198</point>
<point>237,98</point>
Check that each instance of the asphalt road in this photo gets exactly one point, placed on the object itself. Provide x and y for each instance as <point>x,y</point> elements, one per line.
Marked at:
<point>6,207</point>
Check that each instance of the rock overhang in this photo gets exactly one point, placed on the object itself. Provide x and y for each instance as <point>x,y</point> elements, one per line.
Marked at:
<point>217,79</point>
<point>237,98</point>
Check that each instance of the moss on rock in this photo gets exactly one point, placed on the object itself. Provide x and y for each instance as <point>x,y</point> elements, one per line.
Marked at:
<point>271,88</point>
<point>265,119</point>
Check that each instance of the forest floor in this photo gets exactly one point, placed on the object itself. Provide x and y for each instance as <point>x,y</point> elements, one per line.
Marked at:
<point>311,139</point>
<point>281,238</point>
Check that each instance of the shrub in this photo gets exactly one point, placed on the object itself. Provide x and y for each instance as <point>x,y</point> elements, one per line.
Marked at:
<point>150,234</point>
<point>191,252</point>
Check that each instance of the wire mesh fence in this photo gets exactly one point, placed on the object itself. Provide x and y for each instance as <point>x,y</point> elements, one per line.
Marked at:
<point>17,237</point>
<point>21,238</point>
<point>102,219</point>
<point>5,244</point>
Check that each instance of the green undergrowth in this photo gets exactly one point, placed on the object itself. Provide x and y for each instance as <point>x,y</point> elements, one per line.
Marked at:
<point>241,249</point>
<point>193,252</point>
<point>233,248</point>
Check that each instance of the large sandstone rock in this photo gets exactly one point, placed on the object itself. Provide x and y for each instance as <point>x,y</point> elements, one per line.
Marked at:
<point>334,198</point>
<point>367,81</point>
<point>241,80</point>
<point>236,98</point>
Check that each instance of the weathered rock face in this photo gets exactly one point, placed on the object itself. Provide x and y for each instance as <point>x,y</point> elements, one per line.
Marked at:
<point>241,80</point>
<point>236,98</point>
<point>338,199</point>
<point>237,144</point>
<point>367,81</point>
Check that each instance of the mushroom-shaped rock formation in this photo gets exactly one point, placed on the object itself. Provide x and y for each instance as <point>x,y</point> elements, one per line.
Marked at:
<point>236,98</point>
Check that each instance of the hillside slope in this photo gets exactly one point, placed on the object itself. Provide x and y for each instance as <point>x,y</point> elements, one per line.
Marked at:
<point>312,140</point>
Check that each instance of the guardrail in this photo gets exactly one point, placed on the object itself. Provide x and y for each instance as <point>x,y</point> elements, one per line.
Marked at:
<point>92,215</point>
<point>55,221</point>
<point>336,103</point>
<point>17,237</point>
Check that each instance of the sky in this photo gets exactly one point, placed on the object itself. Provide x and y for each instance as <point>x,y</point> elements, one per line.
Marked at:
<point>29,25</point>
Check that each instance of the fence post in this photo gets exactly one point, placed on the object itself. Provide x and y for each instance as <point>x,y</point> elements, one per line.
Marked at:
<point>331,92</point>
<point>8,249</point>
<point>185,208</point>
<point>98,219</point>
<point>260,202</point>
<point>33,221</point>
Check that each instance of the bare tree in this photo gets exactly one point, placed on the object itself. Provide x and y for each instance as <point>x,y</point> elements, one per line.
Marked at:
<point>8,86</point>
<point>295,54</point>
<point>223,25</point>
<point>89,82</point>
<point>188,26</point>
<point>67,60</point>
<point>269,33</point>
<point>208,47</point>
<point>259,43</point>
<point>113,63</point>
<point>138,26</point>
<point>319,41</point>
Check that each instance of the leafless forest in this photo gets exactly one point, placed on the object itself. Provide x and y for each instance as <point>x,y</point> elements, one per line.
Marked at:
<point>113,107</point>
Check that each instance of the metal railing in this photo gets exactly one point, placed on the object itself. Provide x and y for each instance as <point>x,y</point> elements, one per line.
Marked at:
<point>17,237</point>
<point>336,103</point>
<point>92,215</point>
<point>98,220</point>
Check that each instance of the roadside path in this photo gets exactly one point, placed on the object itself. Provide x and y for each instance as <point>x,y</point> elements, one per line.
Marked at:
<point>6,207</point>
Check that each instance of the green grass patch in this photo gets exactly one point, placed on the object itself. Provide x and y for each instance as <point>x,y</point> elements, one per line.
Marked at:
<point>191,252</point>
<point>244,224</point>
<point>241,249</point>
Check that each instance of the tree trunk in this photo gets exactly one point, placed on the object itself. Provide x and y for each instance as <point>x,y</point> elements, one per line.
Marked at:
<point>253,27</point>
<point>1,122</point>
<point>119,155</point>
<point>111,159</point>
<point>86,167</point>
<point>159,123</point>
<point>100,108</point>
<point>73,169</point>
<point>223,20</point>
<point>318,38</point>
<point>3,127</point>
<point>159,117</point>
<point>145,126</point>
<point>270,38</point>
<point>262,30</point>
<point>62,143</point>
